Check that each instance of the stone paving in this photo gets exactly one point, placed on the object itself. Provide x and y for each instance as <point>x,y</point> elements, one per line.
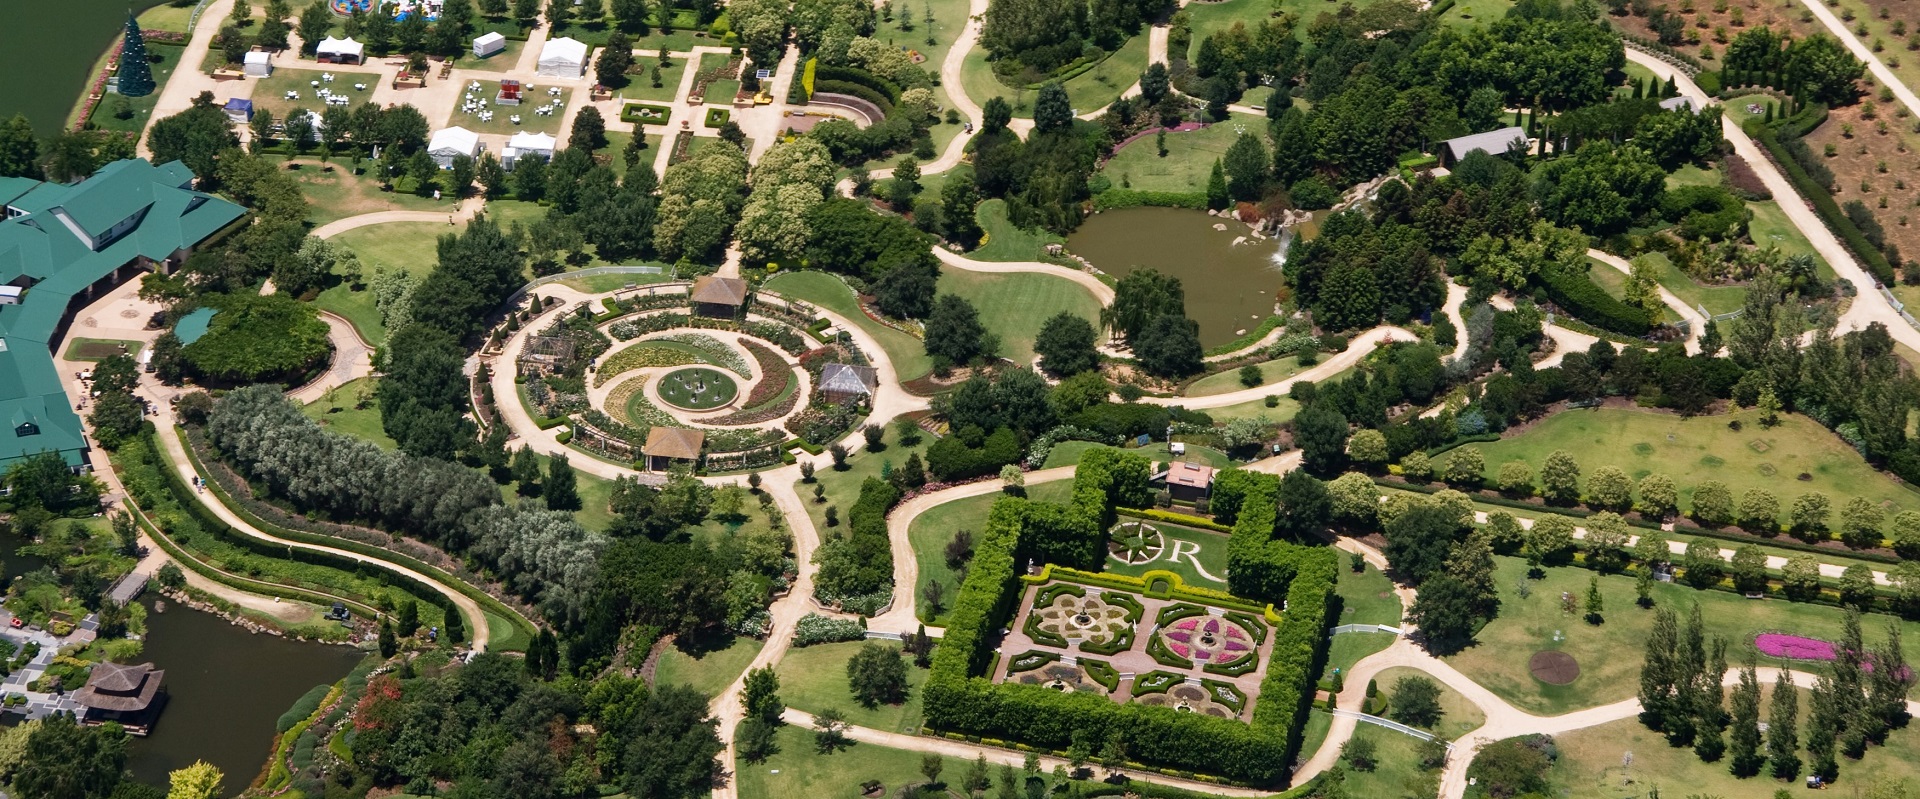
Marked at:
<point>39,704</point>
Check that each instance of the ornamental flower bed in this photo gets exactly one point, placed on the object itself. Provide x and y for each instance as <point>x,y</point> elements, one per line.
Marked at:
<point>1793,647</point>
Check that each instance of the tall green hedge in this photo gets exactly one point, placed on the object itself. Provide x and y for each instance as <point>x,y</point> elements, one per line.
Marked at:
<point>958,698</point>
<point>1578,295</point>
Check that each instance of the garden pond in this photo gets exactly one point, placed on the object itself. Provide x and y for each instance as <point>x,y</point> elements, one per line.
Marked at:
<point>1230,286</point>
<point>57,44</point>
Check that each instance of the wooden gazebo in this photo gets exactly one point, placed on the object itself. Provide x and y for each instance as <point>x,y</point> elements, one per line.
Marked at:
<point>668,444</point>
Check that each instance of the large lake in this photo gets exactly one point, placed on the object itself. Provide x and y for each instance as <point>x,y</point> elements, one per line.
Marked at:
<point>47,50</point>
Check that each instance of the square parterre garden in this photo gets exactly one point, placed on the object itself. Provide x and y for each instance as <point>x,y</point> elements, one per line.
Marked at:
<point>1043,650</point>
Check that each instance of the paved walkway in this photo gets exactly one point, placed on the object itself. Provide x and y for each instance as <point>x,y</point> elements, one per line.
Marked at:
<point>352,360</point>
<point>1696,323</point>
<point>466,210</point>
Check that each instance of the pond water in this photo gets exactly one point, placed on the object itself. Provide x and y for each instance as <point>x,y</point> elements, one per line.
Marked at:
<point>1229,287</point>
<point>56,44</point>
<point>226,687</point>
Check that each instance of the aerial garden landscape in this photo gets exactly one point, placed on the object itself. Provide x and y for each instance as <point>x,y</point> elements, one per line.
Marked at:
<point>966,398</point>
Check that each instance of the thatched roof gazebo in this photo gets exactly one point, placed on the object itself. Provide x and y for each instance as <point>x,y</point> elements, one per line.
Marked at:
<point>130,695</point>
<point>720,297</point>
<point>668,444</point>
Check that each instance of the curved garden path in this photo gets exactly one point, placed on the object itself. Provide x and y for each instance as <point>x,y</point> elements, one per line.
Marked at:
<point>467,209</point>
<point>352,360</point>
<point>1360,347</point>
<point>1101,292</point>
<point>1869,306</point>
<point>1695,322</point>
<point>176,453</point>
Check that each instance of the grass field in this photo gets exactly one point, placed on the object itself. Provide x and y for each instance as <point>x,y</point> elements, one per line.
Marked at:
<point>797,770</point>
<point>1477,12</point>
<point>1457,715</point>
<point>270,92</point>
<point>334,192</point>
<point>1367,597</point>
<point>1717,299</point>
<point>597,284</point>
<point>1591,764</point>
<point>1067,453</point>
<point>1771,226</point>
<point>1610,654</point>
<point>1190,155</point>
<point>908,354</point>
<point>707,672</point>
<point>106,114</point>
<point>352,409</point>
<point>1198,556</point>
<point>843,487</point>
<point>502,122</point>
<point>1006,241</point>
<point>410,246</point>
<point>1089,91</point>
<point>1612,280</point>
<point>640,87</point>
<point>1397,772</point>
<point>1013,305</point>
<point>814,678</point>
<point>166,17</point>
<point>504,635</point>
<point>933,529</point>
<point>1229,381</point>
<point>1703,448</point>
<point>100,349</point>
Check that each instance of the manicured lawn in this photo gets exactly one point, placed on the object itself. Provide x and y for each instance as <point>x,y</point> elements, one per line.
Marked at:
<point>1457,715</point>
<point>1397,767</point>
<point>596,284</point>
<point>1088,91</point>
<point>814,678</point>
<point>502,122</point>
<point>1771,226</point>
<point>1612,280</point>
<point>410,246</point>
<point>722,92</point>
<point>908,354</point>
<point>333,192</point>
<point>1367,598</point>
<point>166,17</point>
<point>99,349</point>
<point>1591,764</point>
<point>596,494</point>
<point>106,113</point>
<point>1347,649</point>
<point>843,487</point>
<point>498,62</point>
<point>1319,722</point>
<point>1690,175</point>
<point>352,409</point>
<point>1190,155</point>
<point>1198,556</point>
<point>504,635</point>
<point>797,769</point>
<point>1229,381</point>
<point>1014,305</point>
<point>1610,654</point>
<point>617,147</point>
<point>708,672</point>
<point>640,86</point>
<point>1703,448</point>
<point>270,93</point>
<point>942,135</point>
<point>932,530</point>
<point>1717,299</point>
<point>1208,18</point>
<point>1478,12</point>
<point>1006,241</point>
<point>1067,453</point>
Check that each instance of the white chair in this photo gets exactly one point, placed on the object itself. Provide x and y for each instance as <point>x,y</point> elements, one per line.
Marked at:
<point>316,83</point>
<point>515,118</point>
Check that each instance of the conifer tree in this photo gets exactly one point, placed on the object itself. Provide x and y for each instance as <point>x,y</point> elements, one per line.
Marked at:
<point>1823,725</point>
<point>1783,736</point>
<point>1743,739</point>
<point>136,75</point>
<point>1657,670</point>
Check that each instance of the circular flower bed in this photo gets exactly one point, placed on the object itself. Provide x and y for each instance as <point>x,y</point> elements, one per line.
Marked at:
<point>1135,542</point>
<point>1793,647</point>
<point>1082,618</point>
<point>697,389</point>
<point>1207,639</point>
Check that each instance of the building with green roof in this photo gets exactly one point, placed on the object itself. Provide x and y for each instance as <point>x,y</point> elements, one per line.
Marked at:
<point>61,248</point>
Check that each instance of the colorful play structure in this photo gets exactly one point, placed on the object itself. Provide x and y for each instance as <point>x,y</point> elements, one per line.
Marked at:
<point>400,9</point>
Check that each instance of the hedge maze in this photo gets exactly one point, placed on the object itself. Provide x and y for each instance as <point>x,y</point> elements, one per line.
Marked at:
<point>1230,697</point>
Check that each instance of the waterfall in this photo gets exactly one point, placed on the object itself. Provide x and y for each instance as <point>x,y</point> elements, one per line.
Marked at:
<point>1285,243</point>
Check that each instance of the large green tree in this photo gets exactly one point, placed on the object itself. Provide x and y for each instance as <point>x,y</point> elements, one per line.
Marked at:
<point>1066,345</point>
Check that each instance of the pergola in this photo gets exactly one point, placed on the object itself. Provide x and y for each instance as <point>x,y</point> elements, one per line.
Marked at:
<point>545,355</point>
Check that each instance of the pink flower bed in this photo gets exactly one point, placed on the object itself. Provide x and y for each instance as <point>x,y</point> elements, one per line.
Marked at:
<point>1236,646</point>
<point>1186,624</point>
<point>1793,647</point>
<point>1181,636</point>
<point>1181,649</point>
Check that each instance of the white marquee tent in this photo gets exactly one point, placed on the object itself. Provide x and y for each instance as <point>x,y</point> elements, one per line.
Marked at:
<point>539,145</point>
<point>563,58</point>
<point>450,142</point>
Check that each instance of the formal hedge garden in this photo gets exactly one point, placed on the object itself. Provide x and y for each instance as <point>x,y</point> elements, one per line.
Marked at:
<point>959,698</point>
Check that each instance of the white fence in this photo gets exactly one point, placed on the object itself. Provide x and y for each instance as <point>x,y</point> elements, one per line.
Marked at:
<point>1389,724</point>
<point>1366,628</point>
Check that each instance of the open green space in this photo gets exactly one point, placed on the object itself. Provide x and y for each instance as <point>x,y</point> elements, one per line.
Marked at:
<point>1366,597</point>
<point>814,678</point>
<point>1228,381</point>
<point>1068,453</point>
<point>640,86</point>
<point>502,122</point>
<point>166,17</point>
<point>708,672</point>
<point>1592,764</point>
<point>1610,654</point>
<point>1397,769</point>
<point>1609,279</point>
<point>1770,226</point>
<point>843,487</point>
<point>1006,241</point>
<point>616,149</point>
<point>80,348</point>
<point>908,354</point>
<point>596,494</point>
<point>933,529</point>
<point>407,246</point>
<point>1190,154</point>
<point>1478,12</point>
<point>1716,299</point>
<point>1088,91</point>
<point>1013,305</point>
<point>130,114</point>
<point>503,635</point>
<point>1198,556</point>
<point>599,284</point>
<point>1458,716</point>
<point>498,62</point>
<point>270,93</point>
<point>334,192</point>
<point>1347,649</point>
<point>796,769</point>
<point>1692,451</point>
<point>353,409</point>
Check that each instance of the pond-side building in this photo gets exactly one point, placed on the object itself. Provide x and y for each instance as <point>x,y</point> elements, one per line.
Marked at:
<point>62,247</point>
<point>130,695</point>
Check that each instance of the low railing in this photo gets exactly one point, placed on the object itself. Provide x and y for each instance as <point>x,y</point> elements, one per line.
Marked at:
<point>1389,724</point>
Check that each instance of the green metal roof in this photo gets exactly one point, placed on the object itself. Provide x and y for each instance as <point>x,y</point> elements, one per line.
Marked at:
<point>41,251</point>
<point>192,326</point>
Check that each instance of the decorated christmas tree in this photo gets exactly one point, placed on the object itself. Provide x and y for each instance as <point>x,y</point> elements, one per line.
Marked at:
<point>136,75</point>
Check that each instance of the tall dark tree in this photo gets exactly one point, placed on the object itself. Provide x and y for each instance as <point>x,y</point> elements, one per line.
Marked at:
<point>559,488</point>
<point>1743,739</point>
<point>136,73</point>
<point>1443,612</point>
<point>1169,346</point>
<point>1052,110</point>
<point>1320,431</point>
<point>423,397</point>
<point>589,130</point>
<point>1783,725</point>
<point>1066,345</point>
<point>954,333</point>
<point>1246,167</point>
<point>19,149</point>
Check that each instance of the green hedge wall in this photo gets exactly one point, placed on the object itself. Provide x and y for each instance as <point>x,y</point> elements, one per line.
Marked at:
<point>957,700</point>
<point>1578,295</point>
